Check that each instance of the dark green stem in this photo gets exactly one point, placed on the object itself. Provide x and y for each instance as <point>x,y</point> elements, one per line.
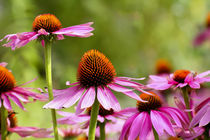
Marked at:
<point>93,118</point>
<point>48,69</point>
<point>3,122</point>
<point>155,134</point>
<point>102,130</point>
<point>187,101</point>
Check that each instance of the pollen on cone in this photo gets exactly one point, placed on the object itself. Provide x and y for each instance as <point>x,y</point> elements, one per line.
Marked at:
<point>95,69</point>
<point>48,22</point>
<point>7,80</point>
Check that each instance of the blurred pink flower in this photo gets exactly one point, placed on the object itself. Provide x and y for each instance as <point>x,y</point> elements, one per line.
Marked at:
<point>204,35</point>
<point>180,78</point>
<point>95,72</point>
<point>47,27</point>
<point>25,131</point>
<point>9,90</point>
<point>152,114</point>
<point>70,132</point>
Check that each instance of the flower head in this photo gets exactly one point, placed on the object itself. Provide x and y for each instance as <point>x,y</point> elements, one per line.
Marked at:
<point>47,28</point>
<point>180,78</point>
<point>95,74</point>
<point>163,67</point>
<point>70,132</point>
<point>152,114</point>
<point>9,90</point>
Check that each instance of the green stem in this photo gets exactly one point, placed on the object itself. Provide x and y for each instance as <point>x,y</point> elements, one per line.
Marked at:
<point>155,134</point>
<point>93,118</point>
<point>48,69</point>
<point>102,131</point>
<point>187,101</point>
<point>3,122</point>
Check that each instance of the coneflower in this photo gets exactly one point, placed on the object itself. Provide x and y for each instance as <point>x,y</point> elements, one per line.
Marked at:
<point>96,76</point>
<point>18,94</point>
<point>47,28</point>
<point>150,116</point>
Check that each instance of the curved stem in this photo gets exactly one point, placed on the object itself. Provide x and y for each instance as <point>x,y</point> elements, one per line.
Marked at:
<point>3,122</point>
<point>102,131</point>
<point>93,118</point>
<point>187,101</point>
<point>155,134</point>
<point>48,69</point>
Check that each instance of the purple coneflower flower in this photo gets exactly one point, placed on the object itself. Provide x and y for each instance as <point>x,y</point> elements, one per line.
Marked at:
<point>9,90</point>
<point>150,115</point>
<point>204,35</point>
<point>47,27</point>
<point>180,78</point>
<point>95,71</point>
<point>36,132</point>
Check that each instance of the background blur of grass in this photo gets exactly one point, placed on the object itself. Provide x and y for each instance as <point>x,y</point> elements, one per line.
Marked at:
<point>133,34</point>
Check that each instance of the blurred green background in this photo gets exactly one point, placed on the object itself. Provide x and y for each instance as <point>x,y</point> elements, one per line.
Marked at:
<point>133,34</point>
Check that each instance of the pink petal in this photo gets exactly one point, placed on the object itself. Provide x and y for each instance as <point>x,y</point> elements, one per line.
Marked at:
<point>16,100</point>
<point>203,74</point>
<point>89,98</point>
<point>140,126</point>
<point>159,86</point>
<point>43,43</point>
<point>103,99</point>
<point>127,125</point>
<point>205,119</point>
<point>6,102</point>
<point>60,37</point>
<point>194,85</point>
<point>65,100</point>
<point>119,88</point>
<point>31,131</point>
<point>127,112</point>
<point>129,78</point>
<point>3,64</point>
<point>126,83</point>
<point>115,105</point>
<point>196,119</point>
<point>161,123</point>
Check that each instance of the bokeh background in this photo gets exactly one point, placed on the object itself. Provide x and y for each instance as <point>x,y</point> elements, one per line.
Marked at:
<point>133,34</point>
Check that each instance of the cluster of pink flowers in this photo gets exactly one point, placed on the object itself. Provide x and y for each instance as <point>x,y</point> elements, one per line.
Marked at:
<point>96,84</point>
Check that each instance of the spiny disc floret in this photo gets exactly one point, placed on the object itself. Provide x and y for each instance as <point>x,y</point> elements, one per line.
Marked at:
<point>7,80</point>
<point>48,22</point>
<point>95,69</point>
<point>153,102</point>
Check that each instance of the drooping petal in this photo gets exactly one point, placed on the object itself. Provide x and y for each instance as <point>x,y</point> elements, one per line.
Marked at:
<point>127,125</point>
<point>103,98</point>
<point>140,126</point>
<point>6,102</point>
<point>89,98</point>
<point>126,82</point>
<point>205,119</point>
<point>31,131</point>
<point>16,101</point>
<point>114,102</point>
<point>161,123</point>
<point>65,100</point>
